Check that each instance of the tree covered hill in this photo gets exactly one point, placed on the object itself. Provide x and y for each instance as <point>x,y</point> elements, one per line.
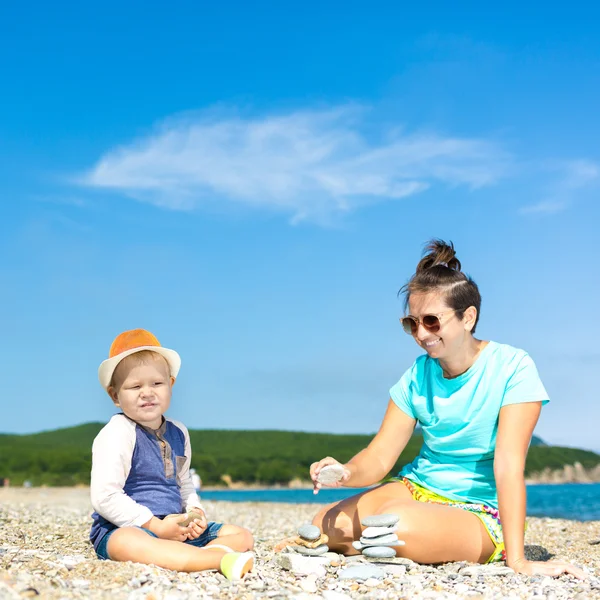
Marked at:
<point>63,456</point>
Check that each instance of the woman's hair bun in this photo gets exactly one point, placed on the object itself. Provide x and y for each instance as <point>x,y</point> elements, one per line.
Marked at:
<point>439,253</point>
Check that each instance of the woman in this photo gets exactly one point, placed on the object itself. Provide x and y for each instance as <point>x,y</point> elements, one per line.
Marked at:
<point>477,403</point>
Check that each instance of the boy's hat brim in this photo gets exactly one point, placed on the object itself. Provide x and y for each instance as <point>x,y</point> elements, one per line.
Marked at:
<point>130,342</point>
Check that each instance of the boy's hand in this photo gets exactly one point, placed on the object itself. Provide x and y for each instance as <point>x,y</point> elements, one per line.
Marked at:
<point>169,528</point>
<point>198,526</point>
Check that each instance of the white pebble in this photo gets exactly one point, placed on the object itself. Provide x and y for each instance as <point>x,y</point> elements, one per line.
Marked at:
<point>370,532</point>
<point>330,474</point>
<point>333,595</point>
<point>309,584</point>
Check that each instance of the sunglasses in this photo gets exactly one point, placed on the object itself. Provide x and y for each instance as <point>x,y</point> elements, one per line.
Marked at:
<point>431,323</point>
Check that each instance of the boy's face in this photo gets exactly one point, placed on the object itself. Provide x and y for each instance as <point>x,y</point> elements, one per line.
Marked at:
<point>144,391</point>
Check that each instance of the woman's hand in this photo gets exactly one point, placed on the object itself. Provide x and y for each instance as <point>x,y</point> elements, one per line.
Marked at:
<point>197,526</point>
<point>316,468</point>
<point>550,567</point>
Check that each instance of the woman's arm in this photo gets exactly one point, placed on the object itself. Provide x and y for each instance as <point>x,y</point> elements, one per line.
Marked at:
<point>374,462</point>
<point>515,428</point>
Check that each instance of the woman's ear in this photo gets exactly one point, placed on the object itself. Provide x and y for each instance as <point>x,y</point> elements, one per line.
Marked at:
<point>469,318</point>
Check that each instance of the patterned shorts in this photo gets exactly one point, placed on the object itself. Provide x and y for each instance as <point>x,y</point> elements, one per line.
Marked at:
<point>487,515</point>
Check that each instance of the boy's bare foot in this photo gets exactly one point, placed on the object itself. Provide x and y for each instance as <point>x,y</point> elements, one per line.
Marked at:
<point>290,541</point>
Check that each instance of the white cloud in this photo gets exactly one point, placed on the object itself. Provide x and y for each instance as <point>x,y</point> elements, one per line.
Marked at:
<point>579,173</point>
<point>308,164</point>
<point>544,207</point>
<point>573,176</point>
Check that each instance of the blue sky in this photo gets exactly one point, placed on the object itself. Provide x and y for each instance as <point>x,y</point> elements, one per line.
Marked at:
<point>254,183</point>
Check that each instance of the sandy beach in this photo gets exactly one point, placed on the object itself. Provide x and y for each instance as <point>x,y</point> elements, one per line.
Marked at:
<point>44,551</point>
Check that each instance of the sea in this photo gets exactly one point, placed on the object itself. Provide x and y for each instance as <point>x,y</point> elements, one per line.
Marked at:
<point>578,501</point>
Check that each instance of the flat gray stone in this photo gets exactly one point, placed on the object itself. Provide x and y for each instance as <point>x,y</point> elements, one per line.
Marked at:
<point>370,532</point>
<point>309,532</point>
<point>395,560</point>
<point>355,558</point>
<point>318,551</point>
<point>362,572</point>
<point>380,520</point>
<point>379,551</point>
<point>390,539</point>
<point>330,474</point>
<point>301,565</point>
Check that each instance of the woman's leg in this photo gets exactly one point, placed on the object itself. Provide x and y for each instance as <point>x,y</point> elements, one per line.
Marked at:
<point>131,543</point>
<point>341,520</point>
<point>434,533</point>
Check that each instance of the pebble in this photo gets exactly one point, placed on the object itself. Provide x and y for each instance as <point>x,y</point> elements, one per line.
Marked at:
<point>379,552</point>
<point>322,539</point>
<point>309,584</point>
<point>318,551</point>
<point>395,570</point>
<point>330,474</point>
<point>309,532</point>
<point>363,572</point>
<point>333,595</point>
<point>380,520</point>
<point>486,570</point>
<point>391,539</point>
<point>301,565</point>
<point>44,549</point>
<point>370,532</point>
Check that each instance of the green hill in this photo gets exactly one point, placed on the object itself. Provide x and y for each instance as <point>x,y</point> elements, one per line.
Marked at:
<point>63,456</point>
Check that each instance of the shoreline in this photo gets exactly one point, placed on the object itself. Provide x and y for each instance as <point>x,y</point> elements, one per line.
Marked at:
<point>247,488</point>
<point>257,487</point>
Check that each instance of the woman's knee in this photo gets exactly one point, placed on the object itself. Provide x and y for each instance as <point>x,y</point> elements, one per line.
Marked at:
<point>318,518</point>
<point>332,518</point>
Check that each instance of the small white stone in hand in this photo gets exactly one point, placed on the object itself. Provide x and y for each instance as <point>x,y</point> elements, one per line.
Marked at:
<point>330,474</point>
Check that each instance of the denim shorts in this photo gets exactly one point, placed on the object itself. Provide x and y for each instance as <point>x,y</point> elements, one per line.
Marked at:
<point>208,535</point>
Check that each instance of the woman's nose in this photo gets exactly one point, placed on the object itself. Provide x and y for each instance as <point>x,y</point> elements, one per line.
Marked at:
<point>421,334</point>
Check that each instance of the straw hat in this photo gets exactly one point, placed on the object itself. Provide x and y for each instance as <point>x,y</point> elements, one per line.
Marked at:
<point>130,342</point>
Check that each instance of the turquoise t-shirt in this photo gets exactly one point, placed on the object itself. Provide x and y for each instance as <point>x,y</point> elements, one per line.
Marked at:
<point>459,419</point>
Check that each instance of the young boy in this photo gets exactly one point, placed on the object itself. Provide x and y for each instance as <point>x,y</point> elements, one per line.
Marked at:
<point>141,472</point>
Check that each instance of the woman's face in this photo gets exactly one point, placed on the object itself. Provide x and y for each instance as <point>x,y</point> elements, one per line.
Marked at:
<point>453,333</point>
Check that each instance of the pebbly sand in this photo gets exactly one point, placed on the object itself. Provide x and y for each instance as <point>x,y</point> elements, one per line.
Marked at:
<point>44,552</point>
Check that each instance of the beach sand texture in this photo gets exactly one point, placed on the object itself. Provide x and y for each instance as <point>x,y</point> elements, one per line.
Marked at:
<point>44,552</point>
